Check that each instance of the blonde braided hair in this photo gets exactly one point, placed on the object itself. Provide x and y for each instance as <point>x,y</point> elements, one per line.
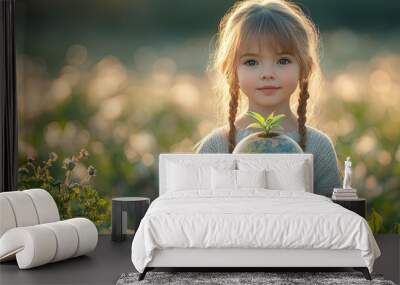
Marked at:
<point>301,114</point>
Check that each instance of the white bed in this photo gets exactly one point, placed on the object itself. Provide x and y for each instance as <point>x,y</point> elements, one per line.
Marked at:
<point>281,225</point>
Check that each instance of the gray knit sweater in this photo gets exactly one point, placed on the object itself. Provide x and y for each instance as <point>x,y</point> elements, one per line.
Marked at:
<point>326,172</point>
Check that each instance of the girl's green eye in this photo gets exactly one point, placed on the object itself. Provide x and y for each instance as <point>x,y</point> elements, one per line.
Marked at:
<point>250,62</point>
<point>284,61</point>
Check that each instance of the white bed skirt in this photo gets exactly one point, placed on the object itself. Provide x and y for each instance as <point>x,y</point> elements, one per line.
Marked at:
<point>235,257</point>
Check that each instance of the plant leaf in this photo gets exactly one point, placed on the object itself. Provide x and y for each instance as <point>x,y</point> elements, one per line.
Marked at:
<point>275,125</point>
<point>269,119</point>
<point>375,221</point>
<point>255,126</point>
<point>256,116</point>
<point>270,116</point>
<point>277,118</point>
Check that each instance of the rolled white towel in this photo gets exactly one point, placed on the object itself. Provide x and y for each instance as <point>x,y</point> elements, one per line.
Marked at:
<point>87,233</point>
<point>26,208</point>
<point>7,218</point>
<point>66,238</point>
<point>33,246</point>
<point>45,205</point>
<point>23,209</point>
<point>40,244</point>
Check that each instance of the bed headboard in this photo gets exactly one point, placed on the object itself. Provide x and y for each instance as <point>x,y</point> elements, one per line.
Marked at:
<point>210,158</point>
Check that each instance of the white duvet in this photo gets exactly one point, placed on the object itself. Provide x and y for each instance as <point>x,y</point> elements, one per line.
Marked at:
<point>252,218</point>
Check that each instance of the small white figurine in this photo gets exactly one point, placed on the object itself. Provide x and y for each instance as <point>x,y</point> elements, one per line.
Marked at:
<point>347,174</point>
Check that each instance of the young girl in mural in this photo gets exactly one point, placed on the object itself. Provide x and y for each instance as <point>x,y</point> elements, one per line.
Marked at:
<point>267,51</point>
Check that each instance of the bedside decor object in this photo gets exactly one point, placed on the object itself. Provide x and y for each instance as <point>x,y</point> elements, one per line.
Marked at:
<point>120,208</point>
<point>269,139</point>
<point>32,233</point>
<point>347,192</point>
<point>358,205</point>
<point>344,194</point>
<point>347,174</point>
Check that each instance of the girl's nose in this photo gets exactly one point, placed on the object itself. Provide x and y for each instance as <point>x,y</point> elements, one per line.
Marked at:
<point>267,72</point>
<point>265,76</point>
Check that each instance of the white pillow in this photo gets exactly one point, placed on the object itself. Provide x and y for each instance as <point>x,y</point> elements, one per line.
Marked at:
<point>228,179</point>
<point>223,179</point>
<point>281,174</point>
<point>184,175</point>
<point>293,180</point>
<point>251,178</point>
<point>181,177</point>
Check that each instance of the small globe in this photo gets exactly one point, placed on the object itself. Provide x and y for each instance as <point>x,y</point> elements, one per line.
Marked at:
<point>274,143</point>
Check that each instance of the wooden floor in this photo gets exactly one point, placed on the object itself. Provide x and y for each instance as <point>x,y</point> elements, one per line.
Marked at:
<point>102,266</point>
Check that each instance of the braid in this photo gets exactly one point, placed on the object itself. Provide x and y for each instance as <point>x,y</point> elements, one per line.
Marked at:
<point>301,113</point>
<point>233,105</point>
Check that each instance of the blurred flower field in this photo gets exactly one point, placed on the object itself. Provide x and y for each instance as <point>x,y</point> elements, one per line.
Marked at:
<point>125,116</point>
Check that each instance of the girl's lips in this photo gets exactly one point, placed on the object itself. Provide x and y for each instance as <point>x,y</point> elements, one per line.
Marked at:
<point>269,90</point>
<point>268,87</point>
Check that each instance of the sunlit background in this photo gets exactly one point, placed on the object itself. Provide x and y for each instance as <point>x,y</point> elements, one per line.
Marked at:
<point>127,80</point>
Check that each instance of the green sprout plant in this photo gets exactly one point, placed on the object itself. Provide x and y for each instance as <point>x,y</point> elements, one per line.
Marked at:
<point>74,196</point>
<point>270,139</point>
<point>267,125</point>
